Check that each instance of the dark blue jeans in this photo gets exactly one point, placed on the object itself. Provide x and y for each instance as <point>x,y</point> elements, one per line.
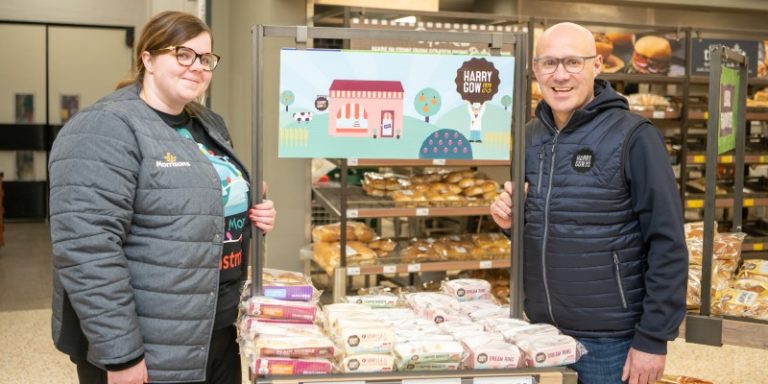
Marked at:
<point>604,360</point>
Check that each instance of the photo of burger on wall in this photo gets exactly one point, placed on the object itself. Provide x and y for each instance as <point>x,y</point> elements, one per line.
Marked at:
<point>652,55</point>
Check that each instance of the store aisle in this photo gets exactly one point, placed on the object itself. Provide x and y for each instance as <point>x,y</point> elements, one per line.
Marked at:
<point>27,354</point>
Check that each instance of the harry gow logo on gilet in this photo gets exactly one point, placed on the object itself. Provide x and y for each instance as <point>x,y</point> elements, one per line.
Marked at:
<point>583,160</point>
<point>169,161</point>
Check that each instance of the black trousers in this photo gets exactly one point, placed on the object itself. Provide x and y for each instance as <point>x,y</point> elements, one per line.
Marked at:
<point>223,366</point>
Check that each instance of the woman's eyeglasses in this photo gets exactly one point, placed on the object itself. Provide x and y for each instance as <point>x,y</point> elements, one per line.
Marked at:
<point>187,56</point>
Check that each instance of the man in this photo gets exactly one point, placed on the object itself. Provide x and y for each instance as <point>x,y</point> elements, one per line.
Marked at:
<point>605,255</point>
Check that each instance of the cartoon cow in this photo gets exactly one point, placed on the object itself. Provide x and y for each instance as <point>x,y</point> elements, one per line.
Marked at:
<point>302,117</point>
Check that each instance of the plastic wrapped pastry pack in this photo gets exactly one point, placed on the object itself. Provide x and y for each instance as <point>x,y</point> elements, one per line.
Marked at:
<point>754,268</point>
<point>287,285</point>
<point>430,366</point>
<point>251,327</point>
<point>492,354</point>
<point>551,350</point>
<point>363,340</point>
<point>368,363</point>
<point>356,231</point>
<point>290,311</point>
<point>380,300</point>
<point>429,351</point>
<point>516,334</point>
<point>468,289</point>
<point>295,346</point>
<point>287,366</point>
<point>502,324</point>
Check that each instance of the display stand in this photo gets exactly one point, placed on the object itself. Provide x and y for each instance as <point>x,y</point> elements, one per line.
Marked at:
<point>495,40</point>
<point>702,327</point>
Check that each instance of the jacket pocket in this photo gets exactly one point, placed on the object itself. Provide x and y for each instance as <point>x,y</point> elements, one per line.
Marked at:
<point>619,284</point>
<point>541,170</point>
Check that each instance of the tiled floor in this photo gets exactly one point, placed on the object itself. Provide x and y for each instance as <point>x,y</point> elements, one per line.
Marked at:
<point>27,354</point>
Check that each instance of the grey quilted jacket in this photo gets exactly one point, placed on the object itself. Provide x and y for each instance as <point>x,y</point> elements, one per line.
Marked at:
<point>137,227</point>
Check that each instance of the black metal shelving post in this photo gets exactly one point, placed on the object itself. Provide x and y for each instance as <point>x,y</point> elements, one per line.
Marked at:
<point>704,328</point>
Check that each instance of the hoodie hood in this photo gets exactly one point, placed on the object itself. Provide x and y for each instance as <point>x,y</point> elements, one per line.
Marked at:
<point>605,98</point>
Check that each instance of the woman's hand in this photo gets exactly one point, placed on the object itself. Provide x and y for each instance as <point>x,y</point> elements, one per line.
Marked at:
<point>263,215</point>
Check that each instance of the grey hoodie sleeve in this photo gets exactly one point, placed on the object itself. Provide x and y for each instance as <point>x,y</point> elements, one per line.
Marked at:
<point>94,166</point>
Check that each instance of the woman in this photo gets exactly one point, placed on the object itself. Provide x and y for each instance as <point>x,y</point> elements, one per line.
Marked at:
<point>149,212</point>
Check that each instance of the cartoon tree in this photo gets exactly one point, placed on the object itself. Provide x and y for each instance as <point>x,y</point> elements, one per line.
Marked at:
<point>506,101</point>
<point>427,103</point>
<point>287,98</point>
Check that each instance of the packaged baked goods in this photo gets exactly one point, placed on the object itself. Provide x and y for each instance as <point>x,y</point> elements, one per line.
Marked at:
<point>378,184</point>
<point>647,101</point>
<point>269,308</point>
<point>428,366</point>
<point>516,334</point>
<point>332,232</point>
<point>434,306</point>
<point>492,354</point>
<point>354,340</point>
<point>429,351</point>
<point>467,289</point>
<point>754,268</point>
<point>380,300</point>
<point>328,255</point>
<point>757,285</point>
<point>550,350</point>
<point>287,285</point>
<point>251,327</point>
<point>734,302</point>
<point>727,246</point>
<point>367,363</point>
<point>420,253</point>
<point>758,309</point>
<point>384,244</point>
<point>287,366</point>
<point>501,324</point>
<point>293,346</point>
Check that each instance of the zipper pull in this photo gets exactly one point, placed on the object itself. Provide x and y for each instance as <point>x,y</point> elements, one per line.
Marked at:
<point>615,258</point>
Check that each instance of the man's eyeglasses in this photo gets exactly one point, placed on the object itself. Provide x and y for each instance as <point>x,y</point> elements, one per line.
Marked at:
<point>187,56</point>
<point>571,64</point>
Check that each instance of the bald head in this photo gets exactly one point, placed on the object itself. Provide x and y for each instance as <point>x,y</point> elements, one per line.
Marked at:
<point>570,49</point>
<point>570,34</point>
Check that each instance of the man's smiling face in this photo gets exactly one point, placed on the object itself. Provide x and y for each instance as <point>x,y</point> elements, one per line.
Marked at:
<point>562,90</point>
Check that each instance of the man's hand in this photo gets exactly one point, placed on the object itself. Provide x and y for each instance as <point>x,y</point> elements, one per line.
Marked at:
<point>501,209</point>
<point>133,375</point>
<point>643,368</point>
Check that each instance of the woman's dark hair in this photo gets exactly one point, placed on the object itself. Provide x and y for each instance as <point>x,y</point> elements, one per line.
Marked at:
<point>163,30</point>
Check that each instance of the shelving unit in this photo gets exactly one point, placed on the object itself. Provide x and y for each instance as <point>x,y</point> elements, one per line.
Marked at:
<point>352,204</point>
<point>349,202</point>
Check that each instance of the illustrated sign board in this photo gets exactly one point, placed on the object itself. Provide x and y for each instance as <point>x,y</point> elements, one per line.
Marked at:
<point>729,96</point>
<point>700,54</point>
<point>375,105</point>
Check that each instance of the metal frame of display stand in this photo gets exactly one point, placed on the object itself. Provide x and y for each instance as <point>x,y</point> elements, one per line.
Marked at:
<point>703,328</point>
<point>495,40</point>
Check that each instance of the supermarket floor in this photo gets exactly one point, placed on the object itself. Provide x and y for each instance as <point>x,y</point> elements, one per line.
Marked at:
<point>27,354</point>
